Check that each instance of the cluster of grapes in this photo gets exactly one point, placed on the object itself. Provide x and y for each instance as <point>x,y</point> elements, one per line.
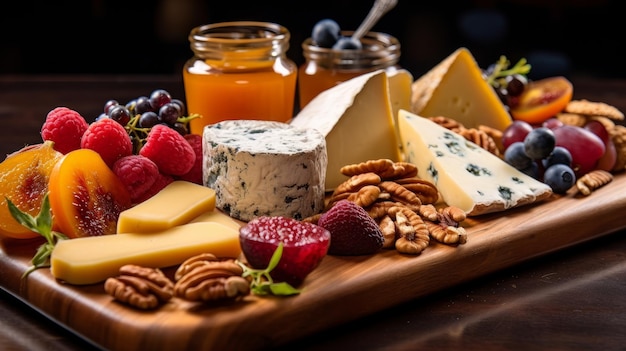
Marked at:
<point>508,82</point>
<point>534,152</point>
<point>139,115</point>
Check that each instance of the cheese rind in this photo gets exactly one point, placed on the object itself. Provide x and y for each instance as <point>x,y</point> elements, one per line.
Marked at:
<point>356,119</point>
<point>89,260</point>
<point>263,168</point>
<point>400,89</point>
<point>466,175</point>
<point>176,204</point>
<point>456,89</point>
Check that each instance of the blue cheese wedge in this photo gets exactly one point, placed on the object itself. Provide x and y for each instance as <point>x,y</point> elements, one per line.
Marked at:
<point>356,117</point>
<point>466,175</point>
<point>263,168</point>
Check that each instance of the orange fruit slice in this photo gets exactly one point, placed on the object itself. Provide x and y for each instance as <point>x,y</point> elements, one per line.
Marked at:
<point>86,197</point>
<point>543,99</point>
<point>24,179</point>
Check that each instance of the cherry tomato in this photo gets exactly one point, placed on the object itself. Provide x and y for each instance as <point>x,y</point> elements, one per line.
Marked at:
<point>542,99</point>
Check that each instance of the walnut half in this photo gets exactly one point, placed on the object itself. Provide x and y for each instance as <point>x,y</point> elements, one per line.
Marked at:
<point>141,287</point>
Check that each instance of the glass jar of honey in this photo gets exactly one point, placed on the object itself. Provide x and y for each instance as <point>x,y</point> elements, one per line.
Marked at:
<point>325,67</point>
<point>240,70</point>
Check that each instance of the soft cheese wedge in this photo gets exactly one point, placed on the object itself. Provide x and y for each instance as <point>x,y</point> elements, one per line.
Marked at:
<point>178,203</point>
<point>400,88</point>
<point>456,89</point>
<point>467,176</point>
<point>89,260</point>
<point>356,119</point>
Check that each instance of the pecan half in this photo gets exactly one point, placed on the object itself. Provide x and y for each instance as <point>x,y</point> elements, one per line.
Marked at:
<point>385,168</point>
<point>413,236</point>
<point>206,279</point>
<point>399,193</point>
<point>593,180</point>
<point>356,182</point>
<point>426,191</point>
<point>482,139</point>
<point>141,287</point>
<point>447,234</point>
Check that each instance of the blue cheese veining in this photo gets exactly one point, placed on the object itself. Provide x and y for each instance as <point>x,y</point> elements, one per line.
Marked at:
<point>262,168</point>
<point>466,175</point>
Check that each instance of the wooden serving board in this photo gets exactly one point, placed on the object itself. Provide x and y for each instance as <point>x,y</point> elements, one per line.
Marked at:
<point>341,289</point>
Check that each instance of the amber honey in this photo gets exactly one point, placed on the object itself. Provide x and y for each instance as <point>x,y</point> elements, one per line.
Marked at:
<point>239,71</point>
<point>324,68</point>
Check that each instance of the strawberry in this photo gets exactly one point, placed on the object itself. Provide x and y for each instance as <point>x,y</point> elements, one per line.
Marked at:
<point>352,230</point>
<point>65,127</point>
<point>305,245</point>
<point>109,139</point>
<point>169,150</point>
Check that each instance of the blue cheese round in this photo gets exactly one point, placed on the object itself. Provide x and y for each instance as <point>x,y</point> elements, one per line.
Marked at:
<point>263,168</point>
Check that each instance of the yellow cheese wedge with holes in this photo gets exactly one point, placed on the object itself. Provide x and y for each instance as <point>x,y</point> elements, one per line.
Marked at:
<point>455,88</point>
<point>178,203</point>
<point>89,260</point>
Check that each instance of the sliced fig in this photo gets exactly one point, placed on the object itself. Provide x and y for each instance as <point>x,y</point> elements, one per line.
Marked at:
<point>24,177</point>
<point>86,197</point>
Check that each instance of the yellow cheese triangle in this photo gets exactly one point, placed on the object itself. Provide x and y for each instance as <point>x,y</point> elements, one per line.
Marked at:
<point>456,89</point>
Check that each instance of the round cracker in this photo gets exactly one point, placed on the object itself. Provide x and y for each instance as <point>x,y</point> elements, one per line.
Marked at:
<point>586,107</point>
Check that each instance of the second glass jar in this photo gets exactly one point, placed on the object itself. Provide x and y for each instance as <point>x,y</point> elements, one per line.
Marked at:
<point>324,67</point>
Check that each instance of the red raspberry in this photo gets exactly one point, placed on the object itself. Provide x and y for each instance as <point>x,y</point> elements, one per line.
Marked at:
<point>162,180</point>
<point>138,173</point>
<point>65,127</point>
<point>352,230</point>
<point>195,174</point>
<point>108,138</point>
<point>169,150</point>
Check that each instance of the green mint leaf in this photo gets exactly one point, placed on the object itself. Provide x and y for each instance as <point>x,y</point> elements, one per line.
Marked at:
<point>278,253</point>
<point>42,225</point>
<point>262,282</point>
<point>283,289</point>
<point>22,218</point>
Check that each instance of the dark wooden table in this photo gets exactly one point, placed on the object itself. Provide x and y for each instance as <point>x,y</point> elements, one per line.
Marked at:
<point>572,299</point>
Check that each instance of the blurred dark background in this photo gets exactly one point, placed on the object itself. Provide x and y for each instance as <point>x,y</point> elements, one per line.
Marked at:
<point>150,37</point>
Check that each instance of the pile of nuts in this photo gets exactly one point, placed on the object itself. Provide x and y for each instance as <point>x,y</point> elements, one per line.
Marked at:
<point>201,278</point>
<point>403,205</point>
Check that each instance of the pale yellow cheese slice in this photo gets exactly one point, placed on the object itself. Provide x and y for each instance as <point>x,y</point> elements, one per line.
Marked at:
<point>456,89</point>
<point>218,217</point>
<point>90,260</point>
<point>356,119</point>
<point>178,203</point>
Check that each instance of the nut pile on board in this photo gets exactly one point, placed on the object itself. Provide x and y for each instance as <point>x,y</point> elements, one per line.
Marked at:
<point>403,205</point>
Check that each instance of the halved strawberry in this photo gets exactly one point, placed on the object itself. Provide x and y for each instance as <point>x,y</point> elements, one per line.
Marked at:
<point>352,230</point>
<point>305,245</point>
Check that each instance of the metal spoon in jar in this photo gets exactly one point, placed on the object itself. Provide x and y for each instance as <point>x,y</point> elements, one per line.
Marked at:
<point>379,8</point>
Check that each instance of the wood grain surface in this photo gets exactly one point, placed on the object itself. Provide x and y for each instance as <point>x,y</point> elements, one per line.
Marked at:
<point>341,289</point>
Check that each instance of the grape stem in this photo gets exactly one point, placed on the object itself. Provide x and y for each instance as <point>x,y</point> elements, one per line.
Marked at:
<point>502,70</point>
